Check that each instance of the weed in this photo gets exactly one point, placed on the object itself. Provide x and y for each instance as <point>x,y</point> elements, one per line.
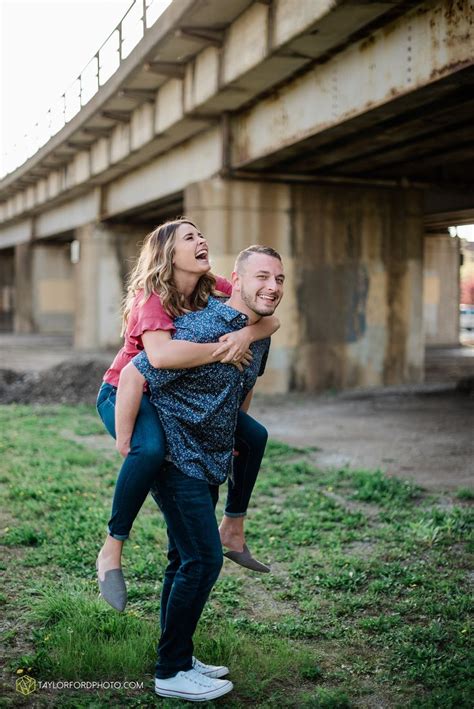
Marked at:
<point>465,493</point>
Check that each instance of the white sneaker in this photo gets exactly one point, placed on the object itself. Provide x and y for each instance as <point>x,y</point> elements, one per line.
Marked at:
<point>214,671</point>
<point>193,686</point>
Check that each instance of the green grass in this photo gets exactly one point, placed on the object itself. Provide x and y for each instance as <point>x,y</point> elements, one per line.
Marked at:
<point>465,493</point>
<point>367,605</point>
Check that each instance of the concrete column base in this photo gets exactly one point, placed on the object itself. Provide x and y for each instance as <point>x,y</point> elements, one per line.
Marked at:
<point>442,260</point>
<point>358,255</point>
<point>7,289</point>
<point>23,318</point>
<point>106,255</point>
<point>53,288</point>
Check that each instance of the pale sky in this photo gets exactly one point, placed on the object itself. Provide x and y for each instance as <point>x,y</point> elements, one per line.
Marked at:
<point>44,46</point>
<point>465,232</point>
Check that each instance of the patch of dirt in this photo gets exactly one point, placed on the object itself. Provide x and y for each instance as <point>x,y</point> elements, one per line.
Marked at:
<point>71,382</point>
<point>103,443</point>
<point>363,550</point>
<point>422,434</point>
<point>260,603</point>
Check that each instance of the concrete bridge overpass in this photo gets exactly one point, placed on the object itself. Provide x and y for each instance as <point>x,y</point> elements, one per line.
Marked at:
<point>339,132</point>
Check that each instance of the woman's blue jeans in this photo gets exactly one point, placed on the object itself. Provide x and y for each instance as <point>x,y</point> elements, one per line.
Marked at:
<point>147,451</point>
<point>194,562</point>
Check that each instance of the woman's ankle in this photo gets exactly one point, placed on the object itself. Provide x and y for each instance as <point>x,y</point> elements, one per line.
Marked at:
<point>112,548</point>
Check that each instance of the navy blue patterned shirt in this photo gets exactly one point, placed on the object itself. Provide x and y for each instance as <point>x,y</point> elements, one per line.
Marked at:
<point>198,407</point>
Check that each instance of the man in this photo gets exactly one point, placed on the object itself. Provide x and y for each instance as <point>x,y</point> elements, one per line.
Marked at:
<point>198,409</point>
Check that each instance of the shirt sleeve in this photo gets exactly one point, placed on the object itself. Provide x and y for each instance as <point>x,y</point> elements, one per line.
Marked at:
<point>155,378</point>
<point>150,316</point>
<point>223,285</point>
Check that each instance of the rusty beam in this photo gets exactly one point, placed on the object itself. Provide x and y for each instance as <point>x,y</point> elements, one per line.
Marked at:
<point>421,49</point>
<point>458,217</point>
<point>75,145</point>
<point>97,132</point>
<point>288,178</point>
<point>117,116</point>
<point>172,70</point>
<point>201,116</point>
<point>140,94</point>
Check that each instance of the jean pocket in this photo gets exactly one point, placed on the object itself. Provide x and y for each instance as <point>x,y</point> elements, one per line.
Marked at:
<point>105,392</point>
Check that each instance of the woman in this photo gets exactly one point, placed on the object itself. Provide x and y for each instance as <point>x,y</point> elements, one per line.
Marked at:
<point>172,276</point>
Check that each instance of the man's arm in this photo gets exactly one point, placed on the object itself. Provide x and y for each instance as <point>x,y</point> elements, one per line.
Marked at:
<point>129,396</point>
<point>239,342</point>
<point>165,353</point>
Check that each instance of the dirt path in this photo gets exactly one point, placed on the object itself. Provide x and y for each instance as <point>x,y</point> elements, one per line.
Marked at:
<point>426,436</point>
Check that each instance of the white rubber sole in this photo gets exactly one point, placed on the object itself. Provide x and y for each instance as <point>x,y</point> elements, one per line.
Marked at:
<point>203,697</point>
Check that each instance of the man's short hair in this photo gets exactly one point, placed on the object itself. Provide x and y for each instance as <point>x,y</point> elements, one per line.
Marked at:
<point>255,249</point>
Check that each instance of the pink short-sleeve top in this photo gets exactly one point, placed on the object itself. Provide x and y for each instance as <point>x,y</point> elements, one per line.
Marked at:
<point>147,316</point>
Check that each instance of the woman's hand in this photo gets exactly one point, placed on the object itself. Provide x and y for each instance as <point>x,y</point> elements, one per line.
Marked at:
<point>123,447</point>
<point>234,349</point>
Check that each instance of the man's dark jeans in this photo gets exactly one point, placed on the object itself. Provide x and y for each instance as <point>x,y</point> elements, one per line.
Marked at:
<point>194,562</point>
<point>142,465</point>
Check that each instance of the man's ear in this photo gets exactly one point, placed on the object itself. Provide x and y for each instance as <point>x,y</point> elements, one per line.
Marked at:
<point>235,278</point>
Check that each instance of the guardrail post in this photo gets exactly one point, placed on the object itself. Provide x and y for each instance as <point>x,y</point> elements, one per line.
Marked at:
<point>120,42</point>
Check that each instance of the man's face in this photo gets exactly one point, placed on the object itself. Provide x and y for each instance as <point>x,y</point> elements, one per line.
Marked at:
<point>260,283</point>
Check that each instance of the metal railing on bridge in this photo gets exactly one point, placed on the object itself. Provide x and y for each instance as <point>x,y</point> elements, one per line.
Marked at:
<point>140,16</point>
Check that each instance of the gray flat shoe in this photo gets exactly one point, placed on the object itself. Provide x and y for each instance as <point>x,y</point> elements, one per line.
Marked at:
<point>113,588</point>
<point>245,558</point>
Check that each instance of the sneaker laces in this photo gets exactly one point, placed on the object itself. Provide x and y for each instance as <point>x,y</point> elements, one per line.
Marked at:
<point>199,679</point>
<point>198,663</point>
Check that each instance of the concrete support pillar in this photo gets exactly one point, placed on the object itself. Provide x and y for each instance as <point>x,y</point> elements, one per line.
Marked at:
<point>105,255</point>
<point>23,318</point>
<point>358,259</point>
<point>441,289</point>
<point>352,310</point>
<point>52,288</point>
<point>7,289</point>
<point>233,215</point>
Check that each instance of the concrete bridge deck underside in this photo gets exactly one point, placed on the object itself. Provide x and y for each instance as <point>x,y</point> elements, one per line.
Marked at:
<point>309,97</point>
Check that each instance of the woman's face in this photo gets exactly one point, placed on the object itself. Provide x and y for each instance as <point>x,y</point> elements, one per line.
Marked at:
<point>191,252</point>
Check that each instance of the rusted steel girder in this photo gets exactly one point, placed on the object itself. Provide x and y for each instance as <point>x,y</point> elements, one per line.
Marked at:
<point>422,47</point>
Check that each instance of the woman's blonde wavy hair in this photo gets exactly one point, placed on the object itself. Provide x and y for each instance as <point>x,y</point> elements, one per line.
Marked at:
<point>153,273</point>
